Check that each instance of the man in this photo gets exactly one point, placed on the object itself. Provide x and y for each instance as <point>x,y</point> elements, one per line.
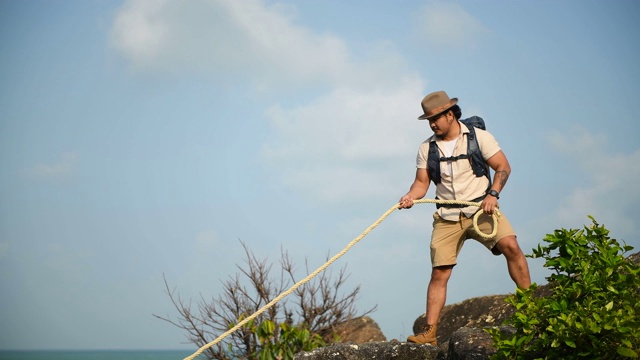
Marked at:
<point>453,224</point>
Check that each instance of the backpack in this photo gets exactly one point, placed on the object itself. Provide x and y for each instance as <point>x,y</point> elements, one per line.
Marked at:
<point>479,166</point>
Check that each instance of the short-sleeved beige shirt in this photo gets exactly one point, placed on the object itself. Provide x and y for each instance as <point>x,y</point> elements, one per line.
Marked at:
<point>461,183</point>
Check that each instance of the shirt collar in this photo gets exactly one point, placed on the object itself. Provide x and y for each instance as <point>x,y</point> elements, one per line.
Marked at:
<point>463,130</point>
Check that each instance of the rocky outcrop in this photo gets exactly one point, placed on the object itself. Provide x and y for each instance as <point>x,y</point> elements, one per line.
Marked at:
<point>359,330</point>
<point>465,344</point>
<point>372,350</point>
<point>470,343</point>
<point>460,334</point>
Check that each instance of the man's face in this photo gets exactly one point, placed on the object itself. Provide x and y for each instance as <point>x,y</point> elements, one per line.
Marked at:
<point>441,124</point>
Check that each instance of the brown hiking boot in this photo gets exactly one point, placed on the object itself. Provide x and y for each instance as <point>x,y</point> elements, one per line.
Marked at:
<point>427,336</point>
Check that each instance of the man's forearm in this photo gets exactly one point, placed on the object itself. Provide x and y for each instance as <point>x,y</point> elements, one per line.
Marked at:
<point>418,191</point>
<point>500,179</point>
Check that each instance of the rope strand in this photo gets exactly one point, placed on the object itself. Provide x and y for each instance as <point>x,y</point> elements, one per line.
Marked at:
<point>495,216</point>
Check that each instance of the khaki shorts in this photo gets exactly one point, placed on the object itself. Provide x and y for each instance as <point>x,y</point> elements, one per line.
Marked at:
<point>449,236</point>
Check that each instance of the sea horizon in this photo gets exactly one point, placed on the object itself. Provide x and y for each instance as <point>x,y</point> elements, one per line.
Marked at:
<point>96,354</point>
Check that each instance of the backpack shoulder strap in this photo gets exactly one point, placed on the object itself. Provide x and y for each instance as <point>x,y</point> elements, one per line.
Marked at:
<point>433,162</point>
<point>479,166</point>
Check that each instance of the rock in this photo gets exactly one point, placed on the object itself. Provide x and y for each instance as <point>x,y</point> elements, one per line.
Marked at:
<point>477,312</point>
<point>372,350</point>
<point>470,344</point>
<point>465,344</point>
<point>359,330</point>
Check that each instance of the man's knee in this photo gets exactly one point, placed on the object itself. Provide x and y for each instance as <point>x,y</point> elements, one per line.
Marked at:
<point>508,246</point>
<point>441,273</point>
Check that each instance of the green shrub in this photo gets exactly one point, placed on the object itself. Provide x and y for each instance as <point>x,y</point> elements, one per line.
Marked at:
<point>593,311</point>
<point>280,341</point>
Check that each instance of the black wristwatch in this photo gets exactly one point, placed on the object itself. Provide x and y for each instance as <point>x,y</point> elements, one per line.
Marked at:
<point>494,194</point>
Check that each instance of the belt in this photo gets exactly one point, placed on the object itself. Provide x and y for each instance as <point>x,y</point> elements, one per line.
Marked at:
<point>459,206</point>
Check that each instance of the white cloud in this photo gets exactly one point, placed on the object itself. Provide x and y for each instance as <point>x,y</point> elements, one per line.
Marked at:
<point>349,144</point>
<point>246,38</point>
<point>354,125</point>
<point>60,168</point>
<point>139,31</point>
<point>344,144</point>
<point>610,194</point>
<point>446,24</point>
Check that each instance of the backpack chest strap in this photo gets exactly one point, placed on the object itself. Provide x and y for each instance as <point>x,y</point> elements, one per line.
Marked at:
<point>454,158</point>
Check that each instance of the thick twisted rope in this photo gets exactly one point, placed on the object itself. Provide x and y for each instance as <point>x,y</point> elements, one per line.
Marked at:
<point>495,216</point>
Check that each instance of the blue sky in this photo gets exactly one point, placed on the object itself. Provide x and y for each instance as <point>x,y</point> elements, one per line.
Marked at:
<point>143,138</point>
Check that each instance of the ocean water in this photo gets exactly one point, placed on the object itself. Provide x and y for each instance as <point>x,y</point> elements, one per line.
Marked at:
<point>95,354</point>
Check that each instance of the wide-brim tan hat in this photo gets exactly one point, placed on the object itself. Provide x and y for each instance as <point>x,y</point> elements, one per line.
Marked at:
<point>436,103</point>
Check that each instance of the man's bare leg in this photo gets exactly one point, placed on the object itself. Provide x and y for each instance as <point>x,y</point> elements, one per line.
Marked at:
<point>516,261</point>
<point>436,298</point>
<point>437,292</point>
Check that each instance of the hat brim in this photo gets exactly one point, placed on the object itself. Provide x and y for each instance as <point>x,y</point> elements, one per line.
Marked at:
<point>452,102</point>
